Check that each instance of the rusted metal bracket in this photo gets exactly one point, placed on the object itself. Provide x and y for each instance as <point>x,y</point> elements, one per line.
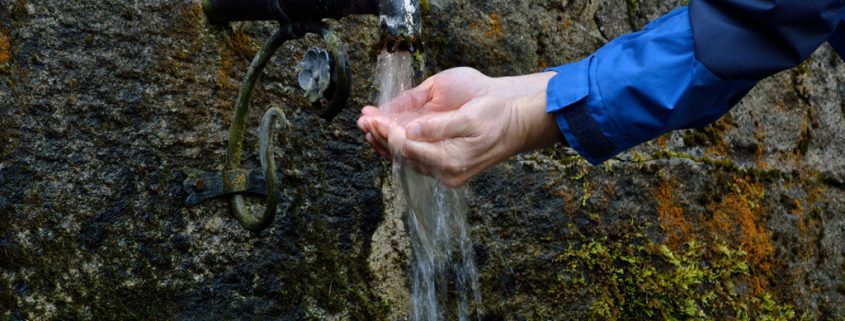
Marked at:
<point>235,183</point>
<point>216,184</point>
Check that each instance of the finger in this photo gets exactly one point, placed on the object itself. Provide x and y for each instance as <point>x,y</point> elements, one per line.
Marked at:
<point>453,178</point>
<point>381,126</point>
<point>435,155</point>
<point>412,99</point>
<point>395,139</point>
<point>440,126</point>
<point>381,145</point>
<point>370,110</point>
<point>418,167</point>
<point>363,123</point>
<point>378,146</point>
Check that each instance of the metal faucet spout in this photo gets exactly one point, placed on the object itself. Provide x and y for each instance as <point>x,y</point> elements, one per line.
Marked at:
<point>222,11</point>
<point>400,18</point>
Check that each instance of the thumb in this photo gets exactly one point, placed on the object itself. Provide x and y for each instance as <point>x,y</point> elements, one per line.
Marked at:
<point>440,126</point>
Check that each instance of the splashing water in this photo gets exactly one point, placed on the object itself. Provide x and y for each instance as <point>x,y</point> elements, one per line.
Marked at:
<point>436,218</point>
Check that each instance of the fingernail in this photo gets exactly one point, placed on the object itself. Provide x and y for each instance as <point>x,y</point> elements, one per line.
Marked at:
<point>413,131</point>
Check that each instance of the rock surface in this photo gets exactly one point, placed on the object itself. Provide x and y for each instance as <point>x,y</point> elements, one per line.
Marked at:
<point>106,106</point>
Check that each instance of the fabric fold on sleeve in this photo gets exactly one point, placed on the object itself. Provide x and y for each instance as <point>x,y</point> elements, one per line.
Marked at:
<point>565,97</point>
<point>636,88</point>
<point>837,40</point>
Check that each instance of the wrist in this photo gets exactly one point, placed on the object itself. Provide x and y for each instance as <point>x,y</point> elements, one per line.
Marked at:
<point>535,128</point>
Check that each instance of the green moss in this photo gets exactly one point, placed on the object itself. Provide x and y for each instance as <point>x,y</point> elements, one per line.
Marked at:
<point>425,7</point>
<point>635,279</point>
<point>725,165</point>
<point>707,136</point>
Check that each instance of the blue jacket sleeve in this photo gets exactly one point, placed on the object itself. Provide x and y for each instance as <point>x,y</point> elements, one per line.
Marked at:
<point>647,83</point>
<point>753,39</point>
<point>837,40</point>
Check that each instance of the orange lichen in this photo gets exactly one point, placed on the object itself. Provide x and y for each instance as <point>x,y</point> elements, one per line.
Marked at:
<point>241,43</point>
<point>738,218</point>
<point>5,55</point>
<point>566,23</point>
<point>662,140</point>
<point>735,218</point>
<point>759,151</point>
<point>671,214</point>
<point>758,157</point>
<point>223,70</point>
<point>795,208</point>
<point>495,26</point>
<point>557,188</point>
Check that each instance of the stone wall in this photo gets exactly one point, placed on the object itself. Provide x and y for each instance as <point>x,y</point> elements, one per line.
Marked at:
<point>105,106</point>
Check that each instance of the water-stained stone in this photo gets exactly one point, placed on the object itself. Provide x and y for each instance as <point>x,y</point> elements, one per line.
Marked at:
<point>105,106</point>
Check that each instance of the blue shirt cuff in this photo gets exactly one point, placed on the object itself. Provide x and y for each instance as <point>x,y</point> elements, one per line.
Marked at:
<point>566,95</point>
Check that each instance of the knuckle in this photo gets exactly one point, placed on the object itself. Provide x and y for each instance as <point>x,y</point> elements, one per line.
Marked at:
<point>453,181</point>
<point>452,167</point>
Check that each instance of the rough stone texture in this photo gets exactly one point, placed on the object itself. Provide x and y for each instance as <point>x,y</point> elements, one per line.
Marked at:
<point>106,105</point>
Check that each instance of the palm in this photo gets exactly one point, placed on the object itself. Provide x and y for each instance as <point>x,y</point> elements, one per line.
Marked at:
<point>448,90</point>
<point>453,88</point>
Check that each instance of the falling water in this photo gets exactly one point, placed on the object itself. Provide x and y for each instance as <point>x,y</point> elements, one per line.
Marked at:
<point>436,217</point>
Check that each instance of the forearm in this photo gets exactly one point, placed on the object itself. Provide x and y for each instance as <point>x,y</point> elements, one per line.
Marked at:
<point>515,87</point>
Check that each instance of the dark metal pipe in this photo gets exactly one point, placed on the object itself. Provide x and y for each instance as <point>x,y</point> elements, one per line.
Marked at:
<point>283,10</point>
<point>400,18</point>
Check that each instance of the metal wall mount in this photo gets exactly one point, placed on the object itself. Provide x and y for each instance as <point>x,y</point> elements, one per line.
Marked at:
<point>325,73</point>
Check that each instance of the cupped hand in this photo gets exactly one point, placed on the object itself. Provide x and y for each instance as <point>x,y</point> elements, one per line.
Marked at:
<point>448,90</point>
<point>458,144</point>
<point>461,122</point>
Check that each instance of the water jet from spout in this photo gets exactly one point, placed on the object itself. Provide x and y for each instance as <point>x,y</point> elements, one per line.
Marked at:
<point>436,218</point>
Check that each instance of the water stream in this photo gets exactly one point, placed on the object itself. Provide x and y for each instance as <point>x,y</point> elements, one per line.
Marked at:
<point>445,280</point>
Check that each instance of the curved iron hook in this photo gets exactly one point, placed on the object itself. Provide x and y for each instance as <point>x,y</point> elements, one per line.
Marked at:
<point>236,137</point>
<point>234,181</point>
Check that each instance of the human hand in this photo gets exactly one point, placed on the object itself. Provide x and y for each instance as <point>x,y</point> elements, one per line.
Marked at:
<point>445,91</point>
<point>452,129</point>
